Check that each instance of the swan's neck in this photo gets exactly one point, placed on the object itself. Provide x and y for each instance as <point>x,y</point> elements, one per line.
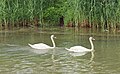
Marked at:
<point>53,42</point>
<point>92,46</point>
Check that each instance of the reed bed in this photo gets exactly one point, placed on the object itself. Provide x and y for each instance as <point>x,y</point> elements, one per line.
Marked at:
<point>79,13</point>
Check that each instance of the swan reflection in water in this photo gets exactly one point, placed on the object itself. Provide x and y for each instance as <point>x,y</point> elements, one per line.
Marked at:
<point>40,51</point>
<point>81,54</point>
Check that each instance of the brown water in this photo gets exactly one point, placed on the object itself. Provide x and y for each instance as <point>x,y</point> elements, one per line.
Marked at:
<point>16,57</point>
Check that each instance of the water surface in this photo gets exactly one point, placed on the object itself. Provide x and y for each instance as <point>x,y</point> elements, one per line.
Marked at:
<point>16,57</point>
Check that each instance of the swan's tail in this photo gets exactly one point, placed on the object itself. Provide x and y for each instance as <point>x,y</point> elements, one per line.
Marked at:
<point>29,44</point>
<point>67,49</point>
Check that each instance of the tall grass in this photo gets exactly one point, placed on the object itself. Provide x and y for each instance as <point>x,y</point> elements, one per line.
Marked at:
<point>20,13</point>
<point>79,13</point>
<point>97,13</point>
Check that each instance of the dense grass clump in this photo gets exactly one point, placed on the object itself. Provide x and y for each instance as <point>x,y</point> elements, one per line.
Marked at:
<point>79,13</point>
<point>96,13</point>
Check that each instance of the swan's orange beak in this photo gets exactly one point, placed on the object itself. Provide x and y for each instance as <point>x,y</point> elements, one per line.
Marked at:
<point>93,39</point>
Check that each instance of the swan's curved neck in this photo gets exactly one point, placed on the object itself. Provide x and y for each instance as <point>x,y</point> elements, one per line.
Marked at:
<point>92,46</point>
<point>53,42</point>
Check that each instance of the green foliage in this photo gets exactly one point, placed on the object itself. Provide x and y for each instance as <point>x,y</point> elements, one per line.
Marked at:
<point>53,11</point>
<point>100,13</point>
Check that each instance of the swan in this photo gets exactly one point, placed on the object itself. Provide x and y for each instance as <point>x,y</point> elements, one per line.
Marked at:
<point>82,50</point>
<point>42,45</point>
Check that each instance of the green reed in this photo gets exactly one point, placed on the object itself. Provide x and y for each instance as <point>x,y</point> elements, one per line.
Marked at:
<point>98,13</point>
<point>93,13</point>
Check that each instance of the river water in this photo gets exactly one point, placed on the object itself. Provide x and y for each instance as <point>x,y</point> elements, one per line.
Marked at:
<point>16,57</point>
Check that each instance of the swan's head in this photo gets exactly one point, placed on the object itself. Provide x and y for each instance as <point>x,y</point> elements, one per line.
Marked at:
<point>52,36</point>
<point>91,38</point>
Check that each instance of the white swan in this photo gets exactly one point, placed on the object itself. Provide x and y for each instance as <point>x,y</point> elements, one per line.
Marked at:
<point>82,50</point>
<point>42,45</point>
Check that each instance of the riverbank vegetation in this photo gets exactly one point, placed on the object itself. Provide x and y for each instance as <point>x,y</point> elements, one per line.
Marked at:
<point>71,13</point>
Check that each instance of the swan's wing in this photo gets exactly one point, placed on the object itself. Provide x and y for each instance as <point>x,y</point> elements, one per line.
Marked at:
<point>40,46</point>
<point>78,54</point>
<point>79,49</point>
